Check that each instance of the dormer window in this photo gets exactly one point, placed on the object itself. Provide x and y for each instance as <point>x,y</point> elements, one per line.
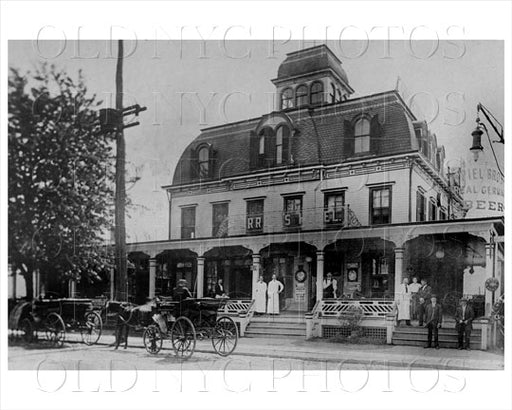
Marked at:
<point>362,136</point>
<point>287,98</point>
<point>317,92</point>
<point>261,148</point>
<point>201,162</point>
<point>282,143</point>
<point>301,95</point>
<point>204,162</point>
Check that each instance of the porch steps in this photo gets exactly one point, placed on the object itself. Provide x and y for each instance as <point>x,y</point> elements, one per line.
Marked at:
<point>448,338</point>
<point>281,326</point>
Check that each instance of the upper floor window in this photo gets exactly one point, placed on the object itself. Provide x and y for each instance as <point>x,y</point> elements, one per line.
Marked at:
<point>261,145</point>
<point>432,209</point>
<point>188,222</point>
<point>421,211</point>
<point>362,136</point>
<point>380,205</point>
<point>204,162</point>
<point>317,92</point>
<point>287,98</point>
<point>220,219</point>
<point>265,150</point>
<point>292,214</point>
<point>282,144</point>
<point>334,205</point>
<point>254,221</point>
<point>301,95</point>
<point>443,215</point>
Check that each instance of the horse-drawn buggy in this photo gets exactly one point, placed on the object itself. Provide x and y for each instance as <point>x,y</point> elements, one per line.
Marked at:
<point>183,322</point>
<point>54,317</point>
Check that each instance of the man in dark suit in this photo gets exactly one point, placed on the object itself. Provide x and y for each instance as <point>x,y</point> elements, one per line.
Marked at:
<point>434,318</point>
<point>424,293</point>
<point>464,316</point>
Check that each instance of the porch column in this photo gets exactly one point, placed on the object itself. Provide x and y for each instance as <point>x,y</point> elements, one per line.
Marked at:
<point>399,268</point>
<point>152,277</point>
<point>200,276</point>
<point>319,275</point>
<point>256,268</point>
<point>489,273</point>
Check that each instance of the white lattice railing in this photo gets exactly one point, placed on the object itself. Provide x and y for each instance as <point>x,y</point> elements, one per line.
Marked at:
<point>370,307</point>
<point>238,306</point>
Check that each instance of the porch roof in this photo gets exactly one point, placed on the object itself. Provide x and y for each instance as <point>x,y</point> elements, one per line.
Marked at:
<point>396,233</point>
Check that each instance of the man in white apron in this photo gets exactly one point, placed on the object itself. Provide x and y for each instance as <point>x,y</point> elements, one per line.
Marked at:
<point>274,288</point>
<point>404,303</point>
<point>260,301</point>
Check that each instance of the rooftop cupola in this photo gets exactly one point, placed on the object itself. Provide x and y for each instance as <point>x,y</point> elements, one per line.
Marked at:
<point>311,76</point>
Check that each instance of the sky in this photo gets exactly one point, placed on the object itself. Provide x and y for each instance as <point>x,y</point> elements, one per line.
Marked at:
<point>190,85</point>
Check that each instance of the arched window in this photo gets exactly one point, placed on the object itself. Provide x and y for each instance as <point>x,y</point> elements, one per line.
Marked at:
<point>362,136</point>
<point>287,99</point>
<point>261,147</point>
<point>282,143</point>
<point>301,96</point>
<point>204,162</point>
<point>317,92</point>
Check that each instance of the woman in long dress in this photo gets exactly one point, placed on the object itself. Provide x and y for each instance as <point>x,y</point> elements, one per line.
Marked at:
<point>260,302</point>
<point>404,303</point>
<point>274,288</point>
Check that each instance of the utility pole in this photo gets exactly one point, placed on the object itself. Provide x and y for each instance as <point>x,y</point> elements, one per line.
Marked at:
<point>120,195</point>
<point>111,122</point>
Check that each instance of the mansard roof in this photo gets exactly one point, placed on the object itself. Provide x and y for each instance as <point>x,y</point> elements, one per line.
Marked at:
<point>317,137</point>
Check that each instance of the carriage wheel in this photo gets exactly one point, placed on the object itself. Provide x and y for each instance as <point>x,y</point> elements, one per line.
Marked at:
<point>153,339</point>
<point>28,330</point>
<point>225,336</point>
<point>183,337</point>
<point>55,329</point>
<point>91,330</point>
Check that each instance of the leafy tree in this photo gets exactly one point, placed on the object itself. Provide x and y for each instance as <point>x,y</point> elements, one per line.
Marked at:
<point>60,177</point>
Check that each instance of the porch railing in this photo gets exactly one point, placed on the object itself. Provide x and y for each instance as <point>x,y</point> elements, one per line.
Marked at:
<point>371,307</point>
<point>237,306</point>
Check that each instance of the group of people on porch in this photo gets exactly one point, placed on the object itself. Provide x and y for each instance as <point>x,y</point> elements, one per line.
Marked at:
<point>415,301</point>
<point>267,296</point>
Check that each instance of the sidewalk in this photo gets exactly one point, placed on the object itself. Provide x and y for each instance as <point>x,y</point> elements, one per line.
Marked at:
<point>404,357</point>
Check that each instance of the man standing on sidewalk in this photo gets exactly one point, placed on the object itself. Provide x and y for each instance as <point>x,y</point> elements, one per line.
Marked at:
<point>434,318</point>
<point>464,323</point>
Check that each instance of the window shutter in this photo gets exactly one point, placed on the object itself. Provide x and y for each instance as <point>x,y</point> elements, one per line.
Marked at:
<point>286,145</point>
<point>194,164</point>
<point>253,150</point>
<point>375,134</point>
<point>348,139</point>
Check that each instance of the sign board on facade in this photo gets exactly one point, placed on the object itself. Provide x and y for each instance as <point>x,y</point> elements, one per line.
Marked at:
<point>482,187</point>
